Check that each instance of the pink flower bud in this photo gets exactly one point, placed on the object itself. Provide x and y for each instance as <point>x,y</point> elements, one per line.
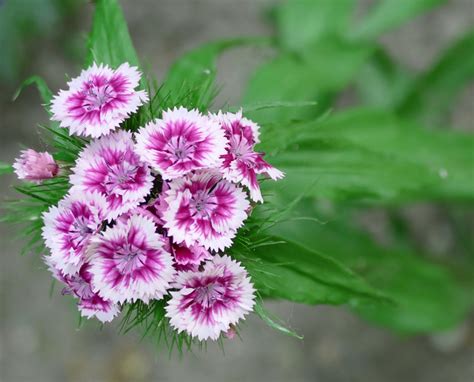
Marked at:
<point>35,166</point>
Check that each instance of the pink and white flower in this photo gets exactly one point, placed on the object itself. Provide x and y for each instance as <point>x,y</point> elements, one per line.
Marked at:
<point>241,164</point>
<point>69,227</point>
<point>90,304</point>
<point>160,204</point>
<point>110,166</point>
<point>35,166</point>
<point>129,262</point>
<point>204,209</point>
<point>99,100</point>
<point>189,258</point>
<point>211,302</point>
<point>236,123</point>
<point>181,141</point>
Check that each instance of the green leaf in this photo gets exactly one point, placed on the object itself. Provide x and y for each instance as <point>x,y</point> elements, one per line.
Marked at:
<point>273,322</point>
<point>426,297</point>
<point>381,82</point>
<point>272,105</point>
<point>303,22</point>
<point>45,93</point>
<point>446,154</point>
<point>5,168</point>
<point>191,79</point>
<point>22,24</point>
<point>313,76</point>
<point>67,146</point>
<point>433,94</point>
<point>388,14</point>
<point>371,156</point>
<point>109,41</point>
<point>336,170</point>
<point>286,270</point>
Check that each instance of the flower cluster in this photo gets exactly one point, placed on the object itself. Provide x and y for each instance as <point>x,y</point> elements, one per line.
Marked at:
<point>150,214</point>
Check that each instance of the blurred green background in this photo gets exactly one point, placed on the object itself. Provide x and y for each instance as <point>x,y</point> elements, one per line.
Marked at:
<point>317,58</point>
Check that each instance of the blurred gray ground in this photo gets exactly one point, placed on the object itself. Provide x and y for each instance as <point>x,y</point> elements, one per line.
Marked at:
<point>39,337</point>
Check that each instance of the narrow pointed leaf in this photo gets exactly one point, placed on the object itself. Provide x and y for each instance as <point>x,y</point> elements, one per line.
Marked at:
<point>273,322</point>
<point>287,270</point>
<point>433,94</point>
<point>41,85</point>
<point>5,168</point>
<point>192,77</point>
<point>426,297</point>
<point>388,14</point>
<point>301,23</point>
<point>109,41</point>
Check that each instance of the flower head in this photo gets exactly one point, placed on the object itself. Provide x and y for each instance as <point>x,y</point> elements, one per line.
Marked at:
<point>241,164</point>
<point>182,141</point>
<point>90,304</point>
<point>35,166</point>
<point>204,209</point>
<point>111,167</point>
<point>98,100</point>
<point>69,227</point>
<point>210,302</point>
<point>128,262</point>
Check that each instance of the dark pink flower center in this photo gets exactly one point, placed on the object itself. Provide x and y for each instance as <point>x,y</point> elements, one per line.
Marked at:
<point>96,95</point>
<point>80,231</point>
<point>208,295</point>
<point>129,258</point>
<point>202,204</point>
<point>121,175</point>
<point>180,149</point>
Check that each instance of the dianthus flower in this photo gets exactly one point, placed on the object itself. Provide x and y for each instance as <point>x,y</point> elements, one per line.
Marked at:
<point>99,100</point>
<point>204,209</point>
<point>111,167</point>
<point>129,262</point>
<point>35,166</point>
<point>181,141</point>
<point>211,302</point>
<point>69,227</point>
<point>241,163</point>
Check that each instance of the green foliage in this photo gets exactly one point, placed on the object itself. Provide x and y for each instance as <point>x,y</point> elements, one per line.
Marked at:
<point>447,155</point>
<point>41,85</point>
<point>191,79</point>
<point>373,156</point>
<point>273,321</point>
<point>301,80</point>
<point>381,82</point>
<point>282,268</point>
<point>21,22</point>
<point>27,211</point>
<point>109,41</point>
<point>387,14</point>
<point>303,22</point>
<point>434,92</point>
<point>5,168</point>
<point>362,155</point>
<point>67,146</point>
<point>425,296</point>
